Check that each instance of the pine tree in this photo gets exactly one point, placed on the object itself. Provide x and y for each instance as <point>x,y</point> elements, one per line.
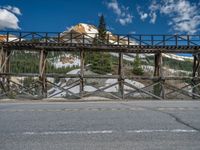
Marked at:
<point>102,28</point>
<point>100,61</point>
<point>137,68</point>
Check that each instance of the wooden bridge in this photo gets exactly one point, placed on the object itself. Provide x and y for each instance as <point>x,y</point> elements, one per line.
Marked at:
<point>43,43</point>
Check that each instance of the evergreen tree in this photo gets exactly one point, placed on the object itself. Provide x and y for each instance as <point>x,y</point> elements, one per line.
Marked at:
<point>100,61</point>
<point>137,68</point>
<point>102,28</point>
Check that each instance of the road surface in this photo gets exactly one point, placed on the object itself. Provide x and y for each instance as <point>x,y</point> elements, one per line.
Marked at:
<point>138,125</point>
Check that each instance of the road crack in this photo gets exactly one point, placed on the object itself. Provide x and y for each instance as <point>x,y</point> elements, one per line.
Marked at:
<point>177,119</point>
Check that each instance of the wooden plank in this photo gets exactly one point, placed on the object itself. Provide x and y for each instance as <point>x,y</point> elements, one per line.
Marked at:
<point>182,91</point>
<point>143,91</point>
<point>63,89</point>
<point>102,90</point>
<point>132,92</point>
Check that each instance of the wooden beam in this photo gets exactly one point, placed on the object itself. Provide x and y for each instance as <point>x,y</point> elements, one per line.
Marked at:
<point>5,68</point>
<point>158,72</point>
<point>143,91</point>
<point>42,73</point>
<point>196,73</point>
<point>121,75</point>
<point>2,79</point>
<point>81,73</point>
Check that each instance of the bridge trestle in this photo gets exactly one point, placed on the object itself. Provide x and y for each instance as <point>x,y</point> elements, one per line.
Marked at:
<point>158,85</point>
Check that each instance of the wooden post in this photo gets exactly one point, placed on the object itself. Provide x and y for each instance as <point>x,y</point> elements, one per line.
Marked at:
<point>196,73</point>
<point>198,67</point>
<point>2,59</point>
<point>81,73</point>
<point>158,72</point>
<point>5,68</point>
<point>162,76</point>
<point>121,75</point>
<point>42,70</point>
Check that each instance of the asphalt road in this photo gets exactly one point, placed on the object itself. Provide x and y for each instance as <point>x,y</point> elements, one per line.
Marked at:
<point>138,125</point>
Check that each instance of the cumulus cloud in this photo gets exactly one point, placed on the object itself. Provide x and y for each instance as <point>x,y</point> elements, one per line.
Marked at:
<point>124,17</point>
<point>142,14</point>
<point>184,16</point>
<point>14,10</point>
<point>153,16</point>
<point>8,17</point>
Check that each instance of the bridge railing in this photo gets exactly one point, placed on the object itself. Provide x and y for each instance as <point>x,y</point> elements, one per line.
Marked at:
<point>94,38</point>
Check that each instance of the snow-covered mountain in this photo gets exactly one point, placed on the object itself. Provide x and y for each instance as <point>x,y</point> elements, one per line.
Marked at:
<point>90,32</point>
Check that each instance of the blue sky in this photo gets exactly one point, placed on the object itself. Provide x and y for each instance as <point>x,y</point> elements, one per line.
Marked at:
<point>122,16</point>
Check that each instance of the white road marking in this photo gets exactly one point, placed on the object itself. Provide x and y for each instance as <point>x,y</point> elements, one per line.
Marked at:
<point>108,132</point>
<point>68,132</point>
<point>173,131</point>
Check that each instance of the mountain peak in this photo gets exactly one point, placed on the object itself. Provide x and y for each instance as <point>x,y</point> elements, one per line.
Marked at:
<point>83,28</point>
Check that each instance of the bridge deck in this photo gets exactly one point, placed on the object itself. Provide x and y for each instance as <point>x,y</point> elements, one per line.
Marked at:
<point>55,41</point>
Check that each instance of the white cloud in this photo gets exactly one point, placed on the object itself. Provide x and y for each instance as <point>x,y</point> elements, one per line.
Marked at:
<point>153,8</point>
<point>14,10</point>
<point>143,15</point>
<point>184,16</point>
<point>115,7</point>
<point>122,12</point>
<point>153,16</point>
<point>8,17</point>
<point>128,19</point>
